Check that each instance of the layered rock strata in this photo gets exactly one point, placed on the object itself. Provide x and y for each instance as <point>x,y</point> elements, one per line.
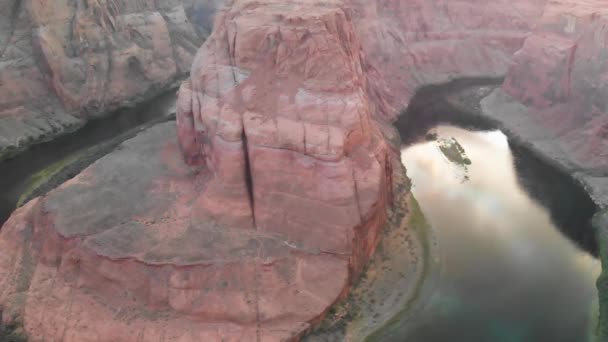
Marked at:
<point>561,75</point>
<point>554,99</point>
<point>256,220</point>
<point>248,228</point>
<point>64,62</point>
<point>413,43</point>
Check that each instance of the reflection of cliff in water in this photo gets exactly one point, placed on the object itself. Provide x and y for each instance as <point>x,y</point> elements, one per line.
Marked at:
<point>507,274</point>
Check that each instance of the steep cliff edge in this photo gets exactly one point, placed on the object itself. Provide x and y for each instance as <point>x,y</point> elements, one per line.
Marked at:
<point>65,62</point>
<point>254,221</point>
<point>278,205</point>
<point>561,74</point>
<point>554,95</point>
<point>413,43</point>
<point>554,100</point>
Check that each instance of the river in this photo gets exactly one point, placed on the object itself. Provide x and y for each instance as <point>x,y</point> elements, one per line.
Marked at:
<point>15,173</point>
<point>506,273</point>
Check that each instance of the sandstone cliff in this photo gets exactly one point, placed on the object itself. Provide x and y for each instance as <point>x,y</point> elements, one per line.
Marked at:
<point>64,62</point>
<point>264,210</point>
<point>413,43</point>
<point>562,74</point>
<point>279,206</point>
<point>555,98</point>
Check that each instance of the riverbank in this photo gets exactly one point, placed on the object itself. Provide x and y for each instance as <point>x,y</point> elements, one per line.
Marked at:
<point>558,188</point>
<point>58,173</point>
<point>389,289</point>
<point>16,138</point>
<point>518,122</point>
<point>45,166</point>
<point>548,168</point>
<point>589,184</point>
<point>460,103</point>
<point>572,193</point>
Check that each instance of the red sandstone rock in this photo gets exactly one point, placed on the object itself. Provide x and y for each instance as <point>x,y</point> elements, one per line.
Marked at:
<point>64,62</point>
<point>81,61</point>
<point>278,205</point>
<point>412,43</point>
<point>145,264</point>
<point>561,73</point>
<point>276,214</point>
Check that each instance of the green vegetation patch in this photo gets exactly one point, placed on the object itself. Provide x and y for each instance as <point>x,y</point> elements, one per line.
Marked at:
<point>455,153</point>
<point>44,176</point>
<point>600,223</point>
<point>395,273</point>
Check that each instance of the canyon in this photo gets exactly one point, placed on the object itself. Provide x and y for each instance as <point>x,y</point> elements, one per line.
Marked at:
<point>66,62</point>
<point>257,210</point>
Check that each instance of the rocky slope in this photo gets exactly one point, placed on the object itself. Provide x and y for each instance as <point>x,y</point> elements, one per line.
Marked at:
<point>554,99</point>
<point>562,74</point>
<point>277,208</point>
<point>65,62</point>
<point>412,43</point>
<point>257,219</point>
<point>555,92</point>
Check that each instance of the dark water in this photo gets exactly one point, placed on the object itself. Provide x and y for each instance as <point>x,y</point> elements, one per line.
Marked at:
<point>14,173</point>
<point>505,274</point>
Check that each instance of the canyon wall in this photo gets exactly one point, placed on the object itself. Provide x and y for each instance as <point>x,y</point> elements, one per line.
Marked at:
<point>64,62</point>
<point>414,43</point>
<point>556,87</point>
<point>282,95</point>
<point>562,74</point>
<point>250,230</point>
<point>266,207</point>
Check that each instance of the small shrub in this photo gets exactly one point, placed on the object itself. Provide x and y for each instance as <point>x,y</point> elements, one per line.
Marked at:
<point>11,332</point>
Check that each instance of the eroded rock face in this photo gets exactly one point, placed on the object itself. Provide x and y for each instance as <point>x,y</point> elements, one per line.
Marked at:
<point>412,43</point>
<point>278,99</point>
<point>250,230</point>
<point>146,265</point>
<point>562,74</point>
<point>559,80</point>
<point>64,62</point>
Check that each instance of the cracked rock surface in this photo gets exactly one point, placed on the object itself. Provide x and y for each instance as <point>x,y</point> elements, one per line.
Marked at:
<point>254,220</point>
<point>247,227</point>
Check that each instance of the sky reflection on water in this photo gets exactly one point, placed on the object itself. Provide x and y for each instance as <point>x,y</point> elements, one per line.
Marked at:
<point>506,273</point>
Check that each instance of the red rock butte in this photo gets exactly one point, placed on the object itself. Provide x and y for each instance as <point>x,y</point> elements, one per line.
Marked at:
<point>259,216</point>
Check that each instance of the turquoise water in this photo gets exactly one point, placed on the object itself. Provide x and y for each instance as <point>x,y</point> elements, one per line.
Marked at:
<point>505,274</point>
